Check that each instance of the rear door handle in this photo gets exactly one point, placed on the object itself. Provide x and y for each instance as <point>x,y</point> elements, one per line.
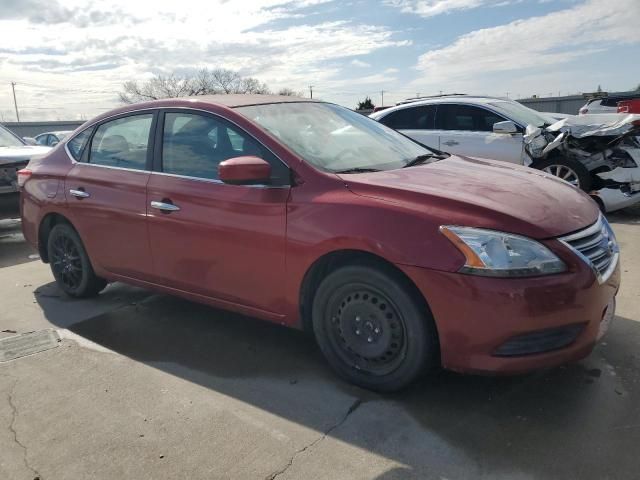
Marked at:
<point>165,206</point>
<point>451,143</point>
<point>79,193</point>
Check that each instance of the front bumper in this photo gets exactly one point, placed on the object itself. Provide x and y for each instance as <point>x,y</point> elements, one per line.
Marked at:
<point>475,316</point>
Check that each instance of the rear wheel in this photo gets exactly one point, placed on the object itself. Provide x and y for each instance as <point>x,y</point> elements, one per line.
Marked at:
<point>70,263</point>
<point>568,170</point>
<point>372,330</point>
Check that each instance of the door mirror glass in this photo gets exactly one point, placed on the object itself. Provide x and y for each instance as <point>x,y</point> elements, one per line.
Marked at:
<point>244,171</point>
<point>505,127</point>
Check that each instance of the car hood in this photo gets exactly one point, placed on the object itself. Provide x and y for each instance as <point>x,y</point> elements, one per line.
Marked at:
<point>17,154</point>
<point>482,193</point>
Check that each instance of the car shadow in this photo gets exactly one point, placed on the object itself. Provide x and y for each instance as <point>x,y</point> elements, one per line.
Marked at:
<point>13,249</point>
<point>576,421</point>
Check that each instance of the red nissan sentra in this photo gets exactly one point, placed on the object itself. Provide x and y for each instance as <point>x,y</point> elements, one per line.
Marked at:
<point>397,257</point>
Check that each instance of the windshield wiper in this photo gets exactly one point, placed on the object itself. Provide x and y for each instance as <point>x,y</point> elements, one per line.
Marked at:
<point>423,158</point>
<point>358,170</point>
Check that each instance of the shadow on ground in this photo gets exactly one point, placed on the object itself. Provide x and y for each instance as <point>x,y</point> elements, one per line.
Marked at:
<point>580,421</point>
<point>13,249</point>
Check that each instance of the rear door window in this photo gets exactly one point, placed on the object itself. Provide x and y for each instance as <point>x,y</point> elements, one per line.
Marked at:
<point>466,117</point>
<point>122,143</point>
<point>412,118</point>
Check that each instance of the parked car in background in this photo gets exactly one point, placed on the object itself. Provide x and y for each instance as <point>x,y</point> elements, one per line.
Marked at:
<point>398,258</point>
<point>14,155</point>
<point>604,104</point>
<point>51,139</point>
<point>629,106</point>
<point>600,155</point>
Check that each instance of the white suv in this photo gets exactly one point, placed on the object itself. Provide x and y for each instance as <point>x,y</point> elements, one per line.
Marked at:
<point>600,156</point>
<point>485,127</point>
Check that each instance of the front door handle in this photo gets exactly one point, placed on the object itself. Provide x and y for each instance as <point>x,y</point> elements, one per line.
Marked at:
<point>451,143</point>
<point>79,193</point>
<point>165,207</point>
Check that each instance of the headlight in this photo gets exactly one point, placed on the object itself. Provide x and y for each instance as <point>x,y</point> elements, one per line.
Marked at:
<point>499,254</point>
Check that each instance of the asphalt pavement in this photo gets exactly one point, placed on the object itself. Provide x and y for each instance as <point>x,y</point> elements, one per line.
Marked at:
<point>148,386</point>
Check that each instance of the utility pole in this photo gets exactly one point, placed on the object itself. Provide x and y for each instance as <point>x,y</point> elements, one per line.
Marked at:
<point>382,98</point>
<point>311,91</point>
<point>15,103</point>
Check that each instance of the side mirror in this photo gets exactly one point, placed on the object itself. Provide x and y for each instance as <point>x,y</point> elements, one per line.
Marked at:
<point>54,143</point>
<point>507,127</point>
<point>244,170</point>
<point>30,141</point>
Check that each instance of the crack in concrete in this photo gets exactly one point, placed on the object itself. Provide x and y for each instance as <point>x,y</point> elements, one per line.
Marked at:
<point>12,429</point>
<point>354,406</point>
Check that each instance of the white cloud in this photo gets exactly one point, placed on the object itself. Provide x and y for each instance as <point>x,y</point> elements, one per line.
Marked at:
<point>70,69</point>
<point>479,59</point>
<point>360,63</point>
<point>430,8</point>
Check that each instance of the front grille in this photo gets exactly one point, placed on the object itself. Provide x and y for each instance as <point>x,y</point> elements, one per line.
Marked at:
<point>596,245</point>
<point>540,341</point>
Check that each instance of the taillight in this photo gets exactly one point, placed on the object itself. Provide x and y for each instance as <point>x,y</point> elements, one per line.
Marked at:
<point>583,111</point>
<point>23,176</point>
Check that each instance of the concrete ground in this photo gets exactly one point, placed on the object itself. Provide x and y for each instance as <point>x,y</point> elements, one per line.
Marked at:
<point>148,386</point>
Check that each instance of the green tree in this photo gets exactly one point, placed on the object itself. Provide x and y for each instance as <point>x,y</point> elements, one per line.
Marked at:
<point>367,104</point>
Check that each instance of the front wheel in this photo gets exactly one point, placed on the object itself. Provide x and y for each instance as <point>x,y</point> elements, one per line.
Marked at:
<point>568,170</point>
<point>70,263</point>
<point>371,328</point>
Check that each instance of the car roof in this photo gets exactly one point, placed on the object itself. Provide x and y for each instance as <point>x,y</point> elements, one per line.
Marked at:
<point>457,98</point>
<point>198,101</point>
<point>243,100</point>
<point>57,132</point>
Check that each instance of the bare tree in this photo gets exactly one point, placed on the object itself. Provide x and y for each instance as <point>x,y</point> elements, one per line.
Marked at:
<point>289,92</point>
<point>203,82</point>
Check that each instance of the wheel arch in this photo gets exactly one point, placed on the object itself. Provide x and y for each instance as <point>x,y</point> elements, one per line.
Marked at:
<point>47,223</point>
<point>335,259</point>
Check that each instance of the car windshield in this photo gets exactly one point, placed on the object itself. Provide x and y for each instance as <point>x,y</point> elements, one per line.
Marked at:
<point>334,138</point>
<point>8,139</point>
<point>521,114</point>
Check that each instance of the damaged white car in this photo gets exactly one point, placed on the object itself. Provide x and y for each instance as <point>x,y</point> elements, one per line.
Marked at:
<point>597,153</point>
<point>14,155</point>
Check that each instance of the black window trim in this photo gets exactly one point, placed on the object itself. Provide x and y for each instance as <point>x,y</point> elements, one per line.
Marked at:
<point>157,147</point>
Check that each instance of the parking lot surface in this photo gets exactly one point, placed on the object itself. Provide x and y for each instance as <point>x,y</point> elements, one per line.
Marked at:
<point>148,386</point>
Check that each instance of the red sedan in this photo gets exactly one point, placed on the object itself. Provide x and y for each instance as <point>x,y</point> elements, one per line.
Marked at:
<point>397,257</point>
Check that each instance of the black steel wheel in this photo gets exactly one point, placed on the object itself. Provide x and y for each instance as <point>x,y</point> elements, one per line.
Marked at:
<point>367,329</point>
<point>70,263</point>
<point>372,329</point>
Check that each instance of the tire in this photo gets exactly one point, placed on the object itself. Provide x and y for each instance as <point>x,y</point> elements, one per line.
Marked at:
<point>372,330</point>
<point>70,263</point>
<point>567,169</point>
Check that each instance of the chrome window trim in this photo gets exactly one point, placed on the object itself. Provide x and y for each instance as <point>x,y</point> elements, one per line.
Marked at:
<point>597,226</point>
<point>216,181</point>
<point>153,109</point>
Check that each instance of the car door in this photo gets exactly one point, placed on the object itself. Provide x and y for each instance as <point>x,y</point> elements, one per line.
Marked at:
<point>416,122</point>
<point>468,130</point>
<point>106,193</point>
<point>209,238</point>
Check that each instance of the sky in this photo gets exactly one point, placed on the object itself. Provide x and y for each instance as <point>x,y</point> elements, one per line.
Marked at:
<point>69,58</point>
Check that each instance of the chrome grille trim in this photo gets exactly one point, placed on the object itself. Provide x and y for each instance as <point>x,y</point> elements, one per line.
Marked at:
<point>595,245</point>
